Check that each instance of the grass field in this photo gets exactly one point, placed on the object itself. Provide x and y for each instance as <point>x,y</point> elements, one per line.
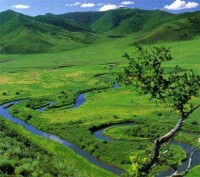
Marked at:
<point>60,77</point>
<point>185,54</point>
<point>42,160</point>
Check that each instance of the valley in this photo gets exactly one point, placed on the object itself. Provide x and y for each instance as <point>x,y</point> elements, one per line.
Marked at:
<point>55,58</point>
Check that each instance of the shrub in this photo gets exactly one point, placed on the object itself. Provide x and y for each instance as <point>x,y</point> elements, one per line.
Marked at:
<point>194,122</point>
<point>6,167</point>
<point>15,111</point>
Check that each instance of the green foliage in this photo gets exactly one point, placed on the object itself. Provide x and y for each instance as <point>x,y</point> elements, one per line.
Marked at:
<point>21,157</point>
<point>36,103</point>
<point>135,166</point>
<point>176,88</point>
<point>23,154</point>
<point>142,131</point>
<point>147,73</point>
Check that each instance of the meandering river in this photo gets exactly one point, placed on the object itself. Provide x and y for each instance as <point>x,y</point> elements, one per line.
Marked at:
<point>187,148</point>
<point>4,111</point>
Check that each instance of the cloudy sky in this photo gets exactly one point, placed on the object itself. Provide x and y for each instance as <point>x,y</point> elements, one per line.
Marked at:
<point>36,7</point>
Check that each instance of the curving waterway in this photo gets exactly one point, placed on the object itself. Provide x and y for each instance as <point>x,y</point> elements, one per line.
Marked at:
<point>168,172</point>
<point>4,111</point>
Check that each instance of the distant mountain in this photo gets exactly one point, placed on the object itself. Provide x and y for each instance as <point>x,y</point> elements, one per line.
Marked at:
<point>61,21</point>
<point>54,33</point>
<point>174,28</point>
<point>24,34</point>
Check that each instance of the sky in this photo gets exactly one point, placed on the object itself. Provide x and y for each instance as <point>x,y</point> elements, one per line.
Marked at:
<point>40,7</point>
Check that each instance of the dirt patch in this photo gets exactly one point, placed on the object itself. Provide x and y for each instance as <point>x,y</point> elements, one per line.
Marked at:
<point>4,79</point>
<point>5,61</point>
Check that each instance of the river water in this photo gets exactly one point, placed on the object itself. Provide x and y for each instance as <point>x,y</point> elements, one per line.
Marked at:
<point>4,111</point>
<point>168,172</point>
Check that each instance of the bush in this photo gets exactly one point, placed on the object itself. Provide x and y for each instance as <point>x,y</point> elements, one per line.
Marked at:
<point>194,122</point>
<point>6,167</point>
<point>15,111</point>
<point>24,170</point>
<point>28,117</point>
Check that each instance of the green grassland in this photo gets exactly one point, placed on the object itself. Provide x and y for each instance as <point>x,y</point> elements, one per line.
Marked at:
<point>64,79</point>
<point>194,172</point>
<point>62,76</point>
<point>185,54</point>
<point>23,154</point>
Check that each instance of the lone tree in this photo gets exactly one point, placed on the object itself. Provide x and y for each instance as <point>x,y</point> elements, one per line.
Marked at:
<point>175,88</point>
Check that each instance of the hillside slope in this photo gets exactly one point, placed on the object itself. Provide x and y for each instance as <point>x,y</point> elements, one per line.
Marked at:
<point>54,33</point>
<point>176,28</point>
<point>23,34</point>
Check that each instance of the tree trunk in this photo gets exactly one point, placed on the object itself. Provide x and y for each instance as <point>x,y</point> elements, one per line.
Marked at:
<point>158,143</point>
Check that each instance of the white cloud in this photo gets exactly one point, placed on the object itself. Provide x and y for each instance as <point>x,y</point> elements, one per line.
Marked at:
<point>108,7</point>
<point>101,4</point>
<point>20,6</point>
<point>74,4</point>
<point>124,3</point>
<point>85,5</point>
<point>180,4</point>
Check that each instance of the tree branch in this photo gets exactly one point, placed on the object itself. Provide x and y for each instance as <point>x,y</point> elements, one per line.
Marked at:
<point>193,109</point>
<point>157,145</point>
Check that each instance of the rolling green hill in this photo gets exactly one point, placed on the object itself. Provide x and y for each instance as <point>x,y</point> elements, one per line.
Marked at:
<point>54,33</point>
<point>62,22</point>
<point>123,21</point>
<point>178,27</point>
<point>23,34</point>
